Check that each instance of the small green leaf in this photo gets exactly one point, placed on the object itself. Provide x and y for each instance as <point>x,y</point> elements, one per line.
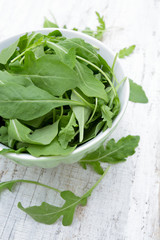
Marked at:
<point>52,149</point>
<point>4,135</point>
<point>83,49</point>
<point>49,24</point>
<point>9,150</point>
<point>137,93</point>
<point>107,115</point>
<point>113,152</point>
<point>126,51</point>
<point>7,185</point>
<point>7,53</point>
<point>101,28</point>
<point>82,114</point>
<point>89,84</point>
<point>67,133</point>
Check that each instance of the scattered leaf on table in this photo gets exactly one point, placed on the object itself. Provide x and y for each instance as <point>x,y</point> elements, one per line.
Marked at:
<point>126,51</point>
<point>137,93</point>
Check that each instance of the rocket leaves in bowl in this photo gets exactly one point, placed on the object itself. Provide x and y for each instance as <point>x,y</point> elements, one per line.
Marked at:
<point>55,94</point>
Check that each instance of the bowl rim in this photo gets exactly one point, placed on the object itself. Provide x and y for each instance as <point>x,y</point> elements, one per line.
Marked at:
<point>101,135</point>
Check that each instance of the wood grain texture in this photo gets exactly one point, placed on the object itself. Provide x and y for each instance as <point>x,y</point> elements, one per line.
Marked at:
<point>126,205</point>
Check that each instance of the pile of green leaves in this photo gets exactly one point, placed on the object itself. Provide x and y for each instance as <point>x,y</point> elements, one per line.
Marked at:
<point>55,94</point>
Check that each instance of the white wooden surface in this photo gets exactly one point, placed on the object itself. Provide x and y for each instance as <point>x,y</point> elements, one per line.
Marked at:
<point>126,205</point>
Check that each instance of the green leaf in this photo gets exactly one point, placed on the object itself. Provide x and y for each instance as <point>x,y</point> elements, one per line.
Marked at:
<point>107,115</point>
<point>126,51</point>
<point>89,84</point>
<point>82,114</point>
<point>52,75</point>
<point>67,133</point>
<point>39,122</point>
<point>43,136</point>
<point>49,24</point>
<point>83,49</point>
<point>9,150</point>
<point>66,56</point>
<point>4,135</point>
<point>137,93</point>
<point>89,31</point>
<point>49,214</point>
<point>22,43</point>
<point>34,40</point>
<point>7,53</point>
<point>101,28</point>
<point>113,152</point>
<point>18,102</point>
<point>6,77</point>
<point>95,165</point>
<point>7,185</point>
<point>52,149</point>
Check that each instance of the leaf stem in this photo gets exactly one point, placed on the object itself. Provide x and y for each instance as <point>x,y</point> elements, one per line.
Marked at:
<point>21,54</point>
<point>80,96</point>
<point>95,185</point>
<point>114,61</point>
<point>37,183</point>
<point>94,111</point>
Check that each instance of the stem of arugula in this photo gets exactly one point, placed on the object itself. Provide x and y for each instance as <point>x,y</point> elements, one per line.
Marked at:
<point>79,95</point>
<point>94,111</point>
<point>37,183</point>
<point>95,185</point>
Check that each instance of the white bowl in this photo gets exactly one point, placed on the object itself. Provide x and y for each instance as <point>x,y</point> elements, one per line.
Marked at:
<point>123,92</point>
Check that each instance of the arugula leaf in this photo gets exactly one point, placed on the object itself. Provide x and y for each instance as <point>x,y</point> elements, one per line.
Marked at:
<point>9,150</point>
<point>52,149</point>
<point>4,135</point>
<point>7,53</point>
<point>49,24</point>
<point>88,84</point>
<point>126,51</point>
<point>101,28</point>
<point>52,75</point>
<point>18,102</point>
<point>6,77</point>
<point>137,93</point>
<point>66,56</point>
<point>95,165</point>
<point>42,136</point>
<point>107,115</point>
<point>67,133</point>
<point>82,113</point>
<point>83,49</point>
<point>113,152</point>
<point>49,214</point>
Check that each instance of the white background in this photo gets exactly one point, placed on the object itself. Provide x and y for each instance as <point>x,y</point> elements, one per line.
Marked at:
<point>126,205</point>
